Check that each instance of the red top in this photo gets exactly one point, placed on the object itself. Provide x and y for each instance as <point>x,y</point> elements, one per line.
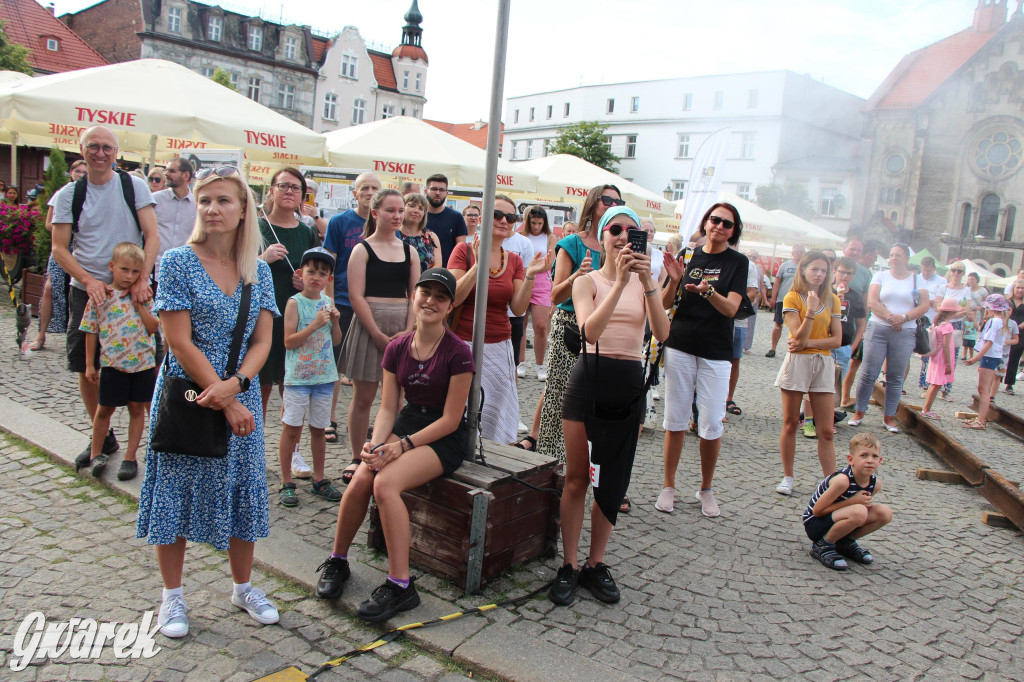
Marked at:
<point>499,295</point>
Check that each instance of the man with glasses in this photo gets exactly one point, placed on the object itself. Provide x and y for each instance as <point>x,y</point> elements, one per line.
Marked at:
<point>105,221</point>
<point>445,222</point>
<point>471,214</point>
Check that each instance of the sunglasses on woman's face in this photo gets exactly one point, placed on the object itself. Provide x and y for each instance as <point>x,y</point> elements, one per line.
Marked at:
<point>609,201</point>
<point>615,230</point>
<point>219,171</point>
<point>716,221</point>
<point>510,217</point>
<point>154,178</point>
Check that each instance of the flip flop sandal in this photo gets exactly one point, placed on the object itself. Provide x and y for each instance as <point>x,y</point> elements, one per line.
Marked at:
<point>973,424</point>
<point>35,345</point>
<point>527,439</point>
<point>331,433</point>
<point>625,507</point>
<point>349,472</point>
<point>732,408</point>
<point>345,381</point>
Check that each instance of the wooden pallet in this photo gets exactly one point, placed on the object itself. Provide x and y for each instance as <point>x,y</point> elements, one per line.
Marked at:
<point>480,521</point>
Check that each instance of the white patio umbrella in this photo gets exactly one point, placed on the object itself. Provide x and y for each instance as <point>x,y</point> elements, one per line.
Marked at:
<point>154,106</point>
<point>564,175</point>
<point>812,234</point>
<point>759,225</point>
<point>409,148</point>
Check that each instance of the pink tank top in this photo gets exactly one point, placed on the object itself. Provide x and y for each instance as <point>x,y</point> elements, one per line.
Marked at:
<point>623,337</point>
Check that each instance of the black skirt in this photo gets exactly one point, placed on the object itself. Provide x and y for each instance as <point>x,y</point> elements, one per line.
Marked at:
<point>450,449</point>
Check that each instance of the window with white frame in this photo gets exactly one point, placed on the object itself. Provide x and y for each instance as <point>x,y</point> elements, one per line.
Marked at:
<point>286,96</point>
<point>330,107</point>
<point>174,20</point>
<point>719,100</point>
<point>610,108</point>
<point>752,99</point>
<point>683,148</point>
<point>207,71</point>
<point>255,85</point>
<point>52,44</point>
<point>529,149</point>
<point>608,142</point>
<point>515,150</point>
<point>405,80</point>
<point>565,112</point>
<point>358,111</point>
<point>256,38</point>
<point>688,101</point>
<point>630,147</point>
<point>828,206</point>
<point>349,65</point>
<point>549,110</point>
<point>678,190</point>
<point>234,80</point>
<point>532,111</point>
<point>634,105</point>
<point>215,29</point>
<point>743,191</point>
<point>387,111</point>
<point>747,145</point>
<point>291,48</point>
<point>419,80</point>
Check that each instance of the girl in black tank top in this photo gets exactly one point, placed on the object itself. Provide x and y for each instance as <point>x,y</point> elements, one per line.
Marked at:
<point>379,289</point>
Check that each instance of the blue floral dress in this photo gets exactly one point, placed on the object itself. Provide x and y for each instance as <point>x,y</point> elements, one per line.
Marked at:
<point>198,498</point>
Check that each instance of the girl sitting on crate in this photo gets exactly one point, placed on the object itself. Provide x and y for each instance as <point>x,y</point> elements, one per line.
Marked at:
<point>426,439</point>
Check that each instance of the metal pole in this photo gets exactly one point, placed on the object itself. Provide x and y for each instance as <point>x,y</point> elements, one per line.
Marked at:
<point>14,160</point>
<point>490,187</point>
<point>152,153</point>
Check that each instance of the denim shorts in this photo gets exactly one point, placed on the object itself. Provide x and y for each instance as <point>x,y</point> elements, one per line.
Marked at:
<point>739,335</point>
<point>316,398</point>
<point>990,363</point>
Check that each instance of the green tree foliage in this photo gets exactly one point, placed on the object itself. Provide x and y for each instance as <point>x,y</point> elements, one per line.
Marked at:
<point>13,57</point>
<point>223,77</point>
<point>588,141</point>
<point>55,177</point>
<point>791,196</point>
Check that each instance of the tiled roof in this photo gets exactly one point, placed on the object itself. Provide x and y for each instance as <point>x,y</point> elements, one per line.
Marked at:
<point>320,47</point>
<point>383,70</point>
<point>30,24</point>
<point>410,52</point>
<point>920,73</point>
<point>470,132</point>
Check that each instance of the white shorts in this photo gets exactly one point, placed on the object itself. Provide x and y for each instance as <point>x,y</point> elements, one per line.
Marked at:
<point>807,373</point>
<point>315,398</point>
<point>684,374</point>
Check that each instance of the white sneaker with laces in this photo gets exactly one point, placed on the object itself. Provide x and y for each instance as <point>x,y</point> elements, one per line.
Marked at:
<point>542,374</point>
<point>172,619</point>
<point>256,603</point>
<point>521,370</point>
<point>299,467</point>
<point>786,487</point>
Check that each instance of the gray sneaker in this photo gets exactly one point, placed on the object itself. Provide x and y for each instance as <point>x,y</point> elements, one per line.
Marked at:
<point>172,619</point>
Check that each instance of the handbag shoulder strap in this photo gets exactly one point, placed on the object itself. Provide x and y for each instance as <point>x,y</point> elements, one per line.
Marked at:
<point>915,295</point>
<point>239,332</point>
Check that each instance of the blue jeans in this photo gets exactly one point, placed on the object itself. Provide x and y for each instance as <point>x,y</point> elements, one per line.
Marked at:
<point>842,357</point>
<point>882,343</point>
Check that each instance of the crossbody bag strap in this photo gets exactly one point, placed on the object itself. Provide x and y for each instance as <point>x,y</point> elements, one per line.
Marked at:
<point>240,324</point>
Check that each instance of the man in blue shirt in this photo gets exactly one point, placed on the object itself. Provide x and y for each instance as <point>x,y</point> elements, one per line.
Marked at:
<point>445,222</point>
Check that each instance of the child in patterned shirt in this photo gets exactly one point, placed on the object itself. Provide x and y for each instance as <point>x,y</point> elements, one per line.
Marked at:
<point>124,330</point>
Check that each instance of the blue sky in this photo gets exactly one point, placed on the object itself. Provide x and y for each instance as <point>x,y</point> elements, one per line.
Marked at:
<point>851,44</point>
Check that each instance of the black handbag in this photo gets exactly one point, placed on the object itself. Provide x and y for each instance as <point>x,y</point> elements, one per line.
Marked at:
<point>922,342</point>
<point>181,425</point>
<point>571,337</point>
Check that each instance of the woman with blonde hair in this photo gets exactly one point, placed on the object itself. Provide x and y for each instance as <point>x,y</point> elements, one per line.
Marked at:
<point>222,501</point>
<point>414,232</point>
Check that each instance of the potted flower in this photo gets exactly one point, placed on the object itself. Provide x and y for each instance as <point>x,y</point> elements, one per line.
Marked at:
<point>17,237</point>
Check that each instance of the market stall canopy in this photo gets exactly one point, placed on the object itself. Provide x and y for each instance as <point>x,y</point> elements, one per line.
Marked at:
<point>987,277</point>
<point>9,76</point>
<point>564,175</point>
<point>154,106</point>
<point>758,224</point>
<point>407,147</point>
<point>812,234</point>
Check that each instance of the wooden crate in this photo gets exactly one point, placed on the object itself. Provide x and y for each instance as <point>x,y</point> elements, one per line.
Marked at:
<point>481,521</point>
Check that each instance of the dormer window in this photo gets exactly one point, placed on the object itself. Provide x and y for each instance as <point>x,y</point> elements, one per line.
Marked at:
<point>349,64</point>
<point>215,29</point>
<point>174,20</point>
<point>52,44</point>
<point>291,48</point>
<point>256,38</point>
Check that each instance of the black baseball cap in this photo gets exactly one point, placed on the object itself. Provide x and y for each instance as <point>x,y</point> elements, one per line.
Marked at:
<point>442,277</point>
<point>318,253</point>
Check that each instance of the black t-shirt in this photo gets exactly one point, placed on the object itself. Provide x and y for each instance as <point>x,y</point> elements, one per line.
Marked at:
<point>447,225</point>
<point>851,309</point>
<point>698,328</point>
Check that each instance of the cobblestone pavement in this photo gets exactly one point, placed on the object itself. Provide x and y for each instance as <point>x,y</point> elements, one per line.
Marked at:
<point>736,597</point>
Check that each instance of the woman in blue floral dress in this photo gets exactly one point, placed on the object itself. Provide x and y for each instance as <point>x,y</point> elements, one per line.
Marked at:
<point>221,501</point>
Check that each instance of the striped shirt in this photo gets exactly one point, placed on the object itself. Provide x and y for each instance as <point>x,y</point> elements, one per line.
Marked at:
<point>850,491</point>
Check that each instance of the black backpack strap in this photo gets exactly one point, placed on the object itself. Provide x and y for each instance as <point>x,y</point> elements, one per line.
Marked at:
<point>78,201</point>
<point>128,190</point>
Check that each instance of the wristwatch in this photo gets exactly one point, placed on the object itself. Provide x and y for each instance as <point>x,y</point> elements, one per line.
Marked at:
<point>243,381</point>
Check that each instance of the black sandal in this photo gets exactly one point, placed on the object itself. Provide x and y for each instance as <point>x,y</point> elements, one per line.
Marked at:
<point>732,408</point>
<point>625,507</point>
<point>331,433</point>
<point>349,472</point>
<point>527,439</point>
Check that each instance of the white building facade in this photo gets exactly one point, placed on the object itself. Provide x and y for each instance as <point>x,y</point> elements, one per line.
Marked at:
<point>656,128</point>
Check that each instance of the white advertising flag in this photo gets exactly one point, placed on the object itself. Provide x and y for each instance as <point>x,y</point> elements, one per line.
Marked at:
<point>705,180</point>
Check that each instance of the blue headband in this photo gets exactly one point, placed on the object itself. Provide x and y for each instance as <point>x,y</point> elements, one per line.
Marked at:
<point>611,213</point>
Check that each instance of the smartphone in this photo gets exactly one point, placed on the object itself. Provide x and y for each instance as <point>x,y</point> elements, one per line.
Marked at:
<point>637,240</point>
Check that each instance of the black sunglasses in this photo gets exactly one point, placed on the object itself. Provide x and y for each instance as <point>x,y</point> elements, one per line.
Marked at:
<point>615,230</point>
<point>608,201</point>
<point>219,171</point>
<point>512,218</point>
<point>727,224</point>
<point>154,178</point>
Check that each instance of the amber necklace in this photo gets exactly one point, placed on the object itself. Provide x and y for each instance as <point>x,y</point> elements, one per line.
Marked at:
<point>494,273</point>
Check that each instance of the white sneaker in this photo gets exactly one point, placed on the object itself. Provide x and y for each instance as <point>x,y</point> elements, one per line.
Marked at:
<point>256,603</point>
<point>299,467</point>
<point>172,619</point>
<point>786,487</point>
<point>521,370</point>
<point>708,505</point>
<point>523,428</point>
<point>666,500</point>
<point>542,374</point>
<point>654,394</point>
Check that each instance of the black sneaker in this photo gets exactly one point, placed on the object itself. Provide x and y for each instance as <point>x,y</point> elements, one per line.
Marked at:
<point>838,416</point>
<point>84,459</point>
<point>99,464</point>
<point>388,600</point>
<point>332,580</point>
<point>128,470</point>
<point>849,548</point>
<point>563,590</point>
<point>110,445</point>
<point>770,354</point>
<point>598,579</point>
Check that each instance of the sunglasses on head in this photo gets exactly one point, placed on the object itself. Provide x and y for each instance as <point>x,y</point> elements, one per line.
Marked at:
<point>219,171</point>
<point>512,218</point>
<point>727,224</point>
<point>608,201</point>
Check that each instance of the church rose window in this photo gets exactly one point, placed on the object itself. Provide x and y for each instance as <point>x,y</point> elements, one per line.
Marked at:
<point>998,154</point>
<point>895,164</point>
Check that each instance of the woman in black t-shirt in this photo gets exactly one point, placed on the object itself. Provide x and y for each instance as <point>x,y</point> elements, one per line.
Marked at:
<point>699,347</point>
